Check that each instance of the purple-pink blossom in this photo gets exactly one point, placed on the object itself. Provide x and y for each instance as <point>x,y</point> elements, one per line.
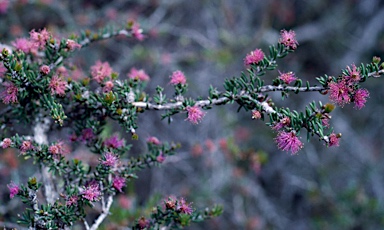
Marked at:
<point>24,45</point>
<point>26,146</point>
<point>44,69</point>
<point>254,57</point>
<point>184,207</point>
<point>6,143</point>
<point>108,86</point>
<point>137,32</point>
<point>58,148</point>
<point>92,192</point>
<point>4,4</point>
<point>87,134</point>
<point>138,75</point>
<point>256,114</point>
<point>113,142</point>
<point>153,140</point>
<point>10,93</point>
<point>13,189</point>
<point>353,74</point>
<point>287,78</point>
<point>288,38</point>
<point>288,141</point>
<point>333,140</point>
<point>72,200</point>
<point>57,86</point>
<point>39,39</point>
<point>360,98</point>
<point>109,159</point>
<point>195,114</point>
<point>72,45</point>
<point>160,158</point>
<point>285,121</point>
<point>3,70</point>
<point>178,77</point>
<point>118,183</point>
<point>339,93</point>
<point>101,71</point>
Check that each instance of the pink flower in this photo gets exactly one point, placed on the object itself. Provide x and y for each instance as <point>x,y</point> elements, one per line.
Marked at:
<point>113,142</point>
<point>10,93</point>
<point>137,32</point>
<point>62,71</point>
<point>3,70</point>
<point>72,45</point>
<point>4,4</point>
<point>58,148</point>
<point>45,69</point>
<point>153,140</point>
<point>254,57</point>
<point>108,86</point>
<point>109,159</point>
<point>178,77</point>
<point>143,223</point>
<point>39,39</point>
<point>183,207</point>
<point>339,93</point>
<point>195,114</point>
<point>57,86</point>
<point>325,121</point>
<point>87,134</point>
<point>287,78</point>
<point>72,200</point>
<point>138,75</point>
<point>333,140</point>
<point>26,146</point>
<point>92,192</point>
<point>100,71</point>
<point>288,38</point>
<point>160,158</point>
<point>353,74</point>
<point>360,98</point>
<point>24,45</point>
<point>6,143</point>
<point>288,142</point>
<point>118,183</point>
<point>256,114</point>
<point>13,189</point>
<point>285,121</point>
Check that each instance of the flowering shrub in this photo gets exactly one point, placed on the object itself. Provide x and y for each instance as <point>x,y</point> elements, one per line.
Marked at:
<point>37,89</point>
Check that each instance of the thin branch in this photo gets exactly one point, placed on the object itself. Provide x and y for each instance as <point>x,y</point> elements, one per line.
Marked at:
<point>103,215</point>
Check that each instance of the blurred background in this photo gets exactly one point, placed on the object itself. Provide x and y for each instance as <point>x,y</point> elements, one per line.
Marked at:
<point>230,159</point>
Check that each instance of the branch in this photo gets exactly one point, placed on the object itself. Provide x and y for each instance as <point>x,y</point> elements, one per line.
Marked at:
<point>103,215</point>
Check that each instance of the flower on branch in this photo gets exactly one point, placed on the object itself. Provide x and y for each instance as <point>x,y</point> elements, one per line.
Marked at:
<point>254,57</point>
<point>288,141</point>
<point>287,78</point>
<point>44,69</point>
<point>72,45</point>
<point>178,77</point>
<point>108,86</point>
<point>109,159</point>
<point>256,114</point>
<point>100,71</point>
<point>25,45</point>
<point>138,75</point>
<point>57,86</point>
<point>333,139</point>
<point>285,121</point>
<point>91,192</point>
<point>353,74</point>
<point>39,39</point>
<point>72,200</point>
<point>58,148</point>
<point>160,158</point>
<point>184,207</point>
<point>26,146</point>
<point>339,93</point>
<point>153,140</point>
<point>288,38</point>
<point>6,143</point>
<point>10,93</point>
<point>360,98</point>
<point>195,114</point>
<point>118,183</point>
<point>137,32</point>
<point>13,189</point>
<point>113,142</point>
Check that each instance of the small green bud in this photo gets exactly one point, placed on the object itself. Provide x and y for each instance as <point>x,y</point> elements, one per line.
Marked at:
<point>329,107</point>
<point>376,60</point>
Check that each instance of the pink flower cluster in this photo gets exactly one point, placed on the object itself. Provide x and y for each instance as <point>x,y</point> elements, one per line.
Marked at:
<point>138,75</point>
<point>58,148</point>
<point>288,38</point>
<point>57,86</point>
<point>109,159</point>
<point>91,192</point>
<point>10,93</point>
<point>113,142</point>
<point>13,189</point>
<point>346,89</point>
<point>287,78</point>
<point>254,57</point>
<point>178,77</point>
<point>118,183</point>
<point>39,39</point>
<point>288,141</point>
<point>195,114</point>
<point>101,71</point>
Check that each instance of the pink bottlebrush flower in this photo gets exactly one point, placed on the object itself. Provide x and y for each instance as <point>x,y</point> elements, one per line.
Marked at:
<point>285,121</point>
<point>137,32</point>
<point>39,39</point>
<point>256,114</point>
<point>13,189</point>
<point>4,4</point>
<point>160,158</point>
<point>26,146</point>
<point>195,114</point>
<point>287,78</point>
<point>333,140</point>
<point>57,86</point>
<point>6,143</point>
<point>288,142</point>
<point>183,207</point>
<point>72,200</point>
<point>44,69</point>
<point>178,77</point>
<point>143,223</point>
<point>114,142</point>
<point>170,203</point>
<point>101,71</point>
<point>10,93</point>
<point>22,44</point>
<point>72,45</point>
<point>91,192</point>
<point>353,74</point>
<point>254,57</point>
<point>138,75</point>
<point>339,93</point>
<point>58,148</point>
<point>3,70</point>
<point>109,159</point>
<point>325,121</point>
<point>360,98</point>
<point>153,140</point>
<point>288,38</point>
<point>87,134</point>
<point>118,183</point>
<point>108,86</point>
